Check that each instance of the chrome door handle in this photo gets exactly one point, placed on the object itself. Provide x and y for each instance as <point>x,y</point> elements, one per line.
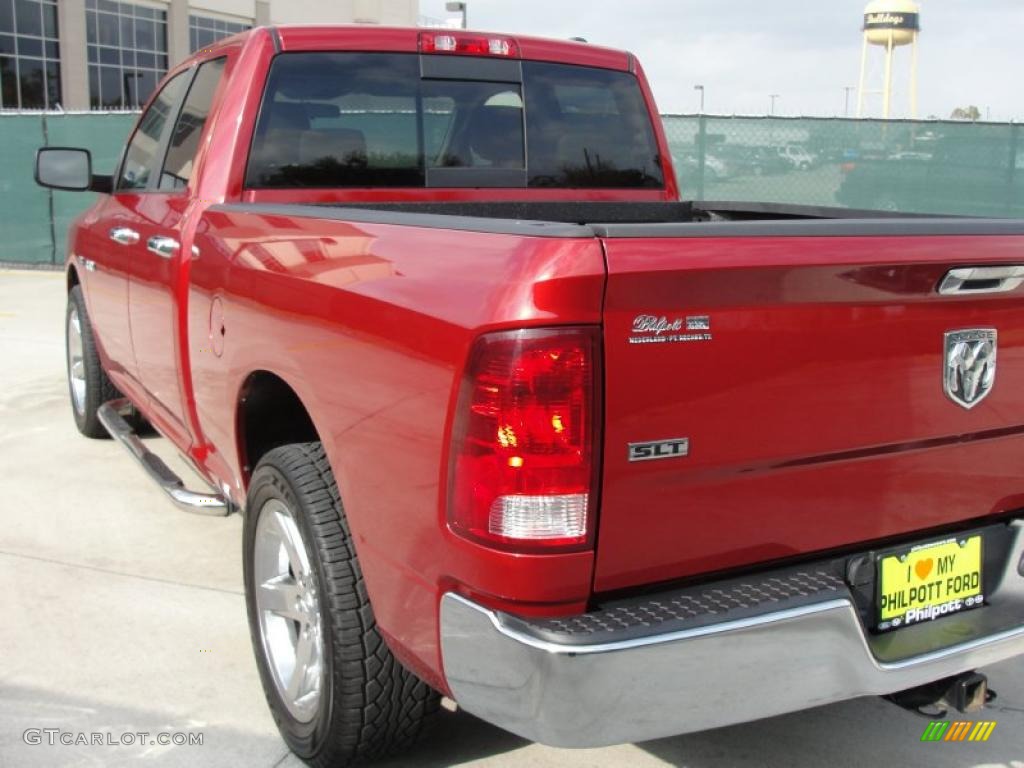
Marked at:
<point>969,280</point>
<point>164,247</point>
<point>124,236</point>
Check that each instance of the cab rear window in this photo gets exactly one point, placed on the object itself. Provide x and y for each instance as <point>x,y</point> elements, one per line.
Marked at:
<point>372,120</point>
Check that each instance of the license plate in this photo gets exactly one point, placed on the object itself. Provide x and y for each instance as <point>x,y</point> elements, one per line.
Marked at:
<point>929,581</point>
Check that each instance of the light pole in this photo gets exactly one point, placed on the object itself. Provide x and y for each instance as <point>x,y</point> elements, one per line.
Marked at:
<point>848,89</point>
<point>772,97</point>
<point>701,89</point>
<point>457,8</point>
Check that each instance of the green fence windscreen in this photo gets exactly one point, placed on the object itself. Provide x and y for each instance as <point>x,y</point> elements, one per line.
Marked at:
<point>102,134</point>
<point>24,207</point>
<point>34,220</point>
<point>958,168</point>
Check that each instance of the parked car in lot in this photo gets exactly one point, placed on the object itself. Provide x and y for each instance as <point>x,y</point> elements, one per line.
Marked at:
<point>715,168</point>
<point>798,157</point>
<point>510,423</point>
<point>911,156</point>
<point>963,175</point>
<point>754,161</point>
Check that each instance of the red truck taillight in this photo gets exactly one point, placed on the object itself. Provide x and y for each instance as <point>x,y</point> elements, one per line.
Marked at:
<point>523,444</point>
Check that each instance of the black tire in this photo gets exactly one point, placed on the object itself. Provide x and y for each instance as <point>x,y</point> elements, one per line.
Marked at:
<point>98,388</point>
<point>370,706</point>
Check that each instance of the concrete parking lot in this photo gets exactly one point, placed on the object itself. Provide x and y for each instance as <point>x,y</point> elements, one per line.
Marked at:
<point>121,614</point>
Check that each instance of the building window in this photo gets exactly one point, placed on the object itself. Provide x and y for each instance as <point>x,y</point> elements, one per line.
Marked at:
<point>127,53</point>
<point>29,54</point>
<point>204,31</point>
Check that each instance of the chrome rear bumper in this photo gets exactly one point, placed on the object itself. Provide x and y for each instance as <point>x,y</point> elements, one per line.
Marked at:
<point>785,654</point>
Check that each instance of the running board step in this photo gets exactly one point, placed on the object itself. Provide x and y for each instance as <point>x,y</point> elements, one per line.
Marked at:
<point>211,504</point>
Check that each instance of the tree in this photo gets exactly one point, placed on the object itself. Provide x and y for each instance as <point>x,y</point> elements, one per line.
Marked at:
<point>971,113</point>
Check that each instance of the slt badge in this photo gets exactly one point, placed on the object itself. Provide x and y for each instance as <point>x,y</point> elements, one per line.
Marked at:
<point>969,370</point>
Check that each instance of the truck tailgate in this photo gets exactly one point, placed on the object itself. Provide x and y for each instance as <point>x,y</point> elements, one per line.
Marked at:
<point>807,374</point>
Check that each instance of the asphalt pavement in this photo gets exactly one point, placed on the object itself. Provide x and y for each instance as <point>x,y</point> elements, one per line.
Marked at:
<point>121,615</point>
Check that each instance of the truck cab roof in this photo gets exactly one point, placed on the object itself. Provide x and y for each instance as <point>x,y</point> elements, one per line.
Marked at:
<point>362,37</point>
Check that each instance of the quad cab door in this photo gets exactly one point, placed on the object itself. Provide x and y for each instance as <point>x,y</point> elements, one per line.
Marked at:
<point>163,250</point>
<point>109,249</point>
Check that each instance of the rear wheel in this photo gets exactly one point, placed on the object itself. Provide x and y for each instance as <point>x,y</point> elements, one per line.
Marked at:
<point>88,384</point>
<point>336,691</point>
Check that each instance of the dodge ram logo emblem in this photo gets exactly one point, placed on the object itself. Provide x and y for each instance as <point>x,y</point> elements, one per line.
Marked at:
<point>970,366</point>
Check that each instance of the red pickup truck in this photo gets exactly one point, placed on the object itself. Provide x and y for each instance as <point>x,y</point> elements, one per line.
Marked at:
<point>512,424</point>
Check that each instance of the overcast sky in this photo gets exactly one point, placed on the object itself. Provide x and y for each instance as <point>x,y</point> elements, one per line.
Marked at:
<point>971,51</point>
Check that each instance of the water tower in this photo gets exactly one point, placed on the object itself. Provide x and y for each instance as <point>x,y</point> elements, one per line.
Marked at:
<point>890,24</point>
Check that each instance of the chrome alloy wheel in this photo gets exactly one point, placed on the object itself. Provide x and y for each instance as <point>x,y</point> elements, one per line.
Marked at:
<point>76,361</point>
<point>288,610</point>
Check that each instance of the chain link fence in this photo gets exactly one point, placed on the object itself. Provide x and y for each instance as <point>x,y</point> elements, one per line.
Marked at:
<point>34,221</point>
<point>956,168</point>
<point>971,169</point>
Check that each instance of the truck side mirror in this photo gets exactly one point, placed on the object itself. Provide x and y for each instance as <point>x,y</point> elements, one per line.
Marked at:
<point>64,168</point>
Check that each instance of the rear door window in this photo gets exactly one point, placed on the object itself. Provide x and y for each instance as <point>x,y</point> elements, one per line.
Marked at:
<point>372,120</point>
<point>181,153</point>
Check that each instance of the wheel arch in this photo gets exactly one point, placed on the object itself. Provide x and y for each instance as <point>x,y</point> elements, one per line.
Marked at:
<point>269,413</point>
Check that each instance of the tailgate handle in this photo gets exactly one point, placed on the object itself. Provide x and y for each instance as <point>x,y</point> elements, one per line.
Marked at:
<point>981,280</point>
